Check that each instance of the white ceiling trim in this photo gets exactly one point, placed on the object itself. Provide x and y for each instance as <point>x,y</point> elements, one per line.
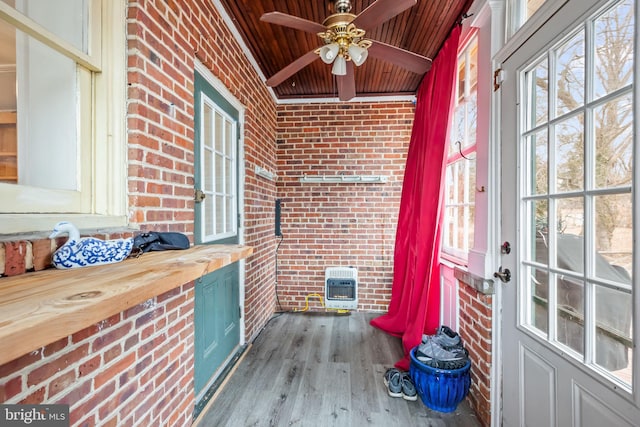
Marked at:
<point>390,98</point>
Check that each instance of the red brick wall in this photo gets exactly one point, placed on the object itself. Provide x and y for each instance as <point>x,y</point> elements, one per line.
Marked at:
<point>145,377</point>
<point>475,328</point>
<point>165,38</point>
<point>345,224</point>
<point>134,368</point>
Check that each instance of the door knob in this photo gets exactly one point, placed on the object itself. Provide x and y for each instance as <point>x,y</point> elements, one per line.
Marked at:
<point>199,196</point>
<point>503,275</point>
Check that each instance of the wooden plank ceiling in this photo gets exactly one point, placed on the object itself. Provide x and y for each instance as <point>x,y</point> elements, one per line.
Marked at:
<point>421,29</point>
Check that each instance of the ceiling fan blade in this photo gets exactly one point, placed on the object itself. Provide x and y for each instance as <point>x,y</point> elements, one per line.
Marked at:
<point>381,11</point>
<point>291,21</point>
<point>347,83</point>
<point>403,58</point>
<point>292,68</point>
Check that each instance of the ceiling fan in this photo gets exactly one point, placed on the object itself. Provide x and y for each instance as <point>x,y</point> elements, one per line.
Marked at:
<point>345,45</point>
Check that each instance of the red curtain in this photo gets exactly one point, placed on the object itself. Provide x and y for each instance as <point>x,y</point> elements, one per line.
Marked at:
<point>415,297</point>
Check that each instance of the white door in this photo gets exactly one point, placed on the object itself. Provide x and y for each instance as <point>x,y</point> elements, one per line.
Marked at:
<point>567,185</point>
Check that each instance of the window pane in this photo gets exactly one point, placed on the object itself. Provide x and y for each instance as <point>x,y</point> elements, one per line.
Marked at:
<point>614,142</point>
<point>450,189</point>
<point>569,143</point>
<point>47,87</point>
<point>67,19</point>
<point>614,237</point>
<point>570,75</point>
<point>613,58</point>
<point>472,119</point>
<point>462,77</point>
<point>570,313</point>
<point>613,332</point>
<point>470,228</point>
<point>458,129</point>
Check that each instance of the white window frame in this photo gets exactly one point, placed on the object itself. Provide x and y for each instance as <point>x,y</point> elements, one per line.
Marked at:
<point>101,198</point>
<point>464,152</point>
<point>230,199</point>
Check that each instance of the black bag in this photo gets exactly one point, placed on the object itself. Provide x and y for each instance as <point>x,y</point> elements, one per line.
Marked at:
<point>159,241</point>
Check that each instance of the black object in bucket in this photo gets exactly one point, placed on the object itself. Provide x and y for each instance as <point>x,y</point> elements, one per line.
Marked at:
<point>159,241</point>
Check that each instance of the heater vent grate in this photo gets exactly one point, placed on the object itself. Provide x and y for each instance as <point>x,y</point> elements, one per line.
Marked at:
<point>341,288</point>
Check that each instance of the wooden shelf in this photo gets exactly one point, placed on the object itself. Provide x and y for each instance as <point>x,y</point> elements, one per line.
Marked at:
<point>39,308</point>
<point>8,117</point>
<point>8,147</point>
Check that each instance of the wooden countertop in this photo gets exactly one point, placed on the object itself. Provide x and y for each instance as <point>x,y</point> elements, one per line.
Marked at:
<point>39,308</point>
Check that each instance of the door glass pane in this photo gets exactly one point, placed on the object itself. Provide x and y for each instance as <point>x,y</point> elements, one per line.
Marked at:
<point>230,218</point>
<point>538,81</point>
<point>220,217</point>
<point>208,217</point>
<point>570,75</point>
<point>613,123</point>
<point>613,59</point>
<point>208,170</point>
<point>220,173</point>
<point>613,332</point>
<point>219,129</point>
<point>229,176</point>
<point>614,237</point>
<point>228,136</point>
<point>570,312</point>
<point>538,218</point>
<point>569,143</point>
<point>570,226</point>
<point>539,287</point>
<point>539,162</point>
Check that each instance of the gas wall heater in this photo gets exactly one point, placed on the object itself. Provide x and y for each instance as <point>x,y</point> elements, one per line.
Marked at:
<point>341,288</point>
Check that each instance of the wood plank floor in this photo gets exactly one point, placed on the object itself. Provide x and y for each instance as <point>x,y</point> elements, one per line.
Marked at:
<point>309,369</point>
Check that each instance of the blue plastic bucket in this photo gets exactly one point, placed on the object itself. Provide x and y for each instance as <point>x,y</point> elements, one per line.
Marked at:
<point>440,389</point>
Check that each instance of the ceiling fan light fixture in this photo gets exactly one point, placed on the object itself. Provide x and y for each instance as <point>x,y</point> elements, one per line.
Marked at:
<point>358,54</point>
<point>339,66</point>
<point>329,52</point>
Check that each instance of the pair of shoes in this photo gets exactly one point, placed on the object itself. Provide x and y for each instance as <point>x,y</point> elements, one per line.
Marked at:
<point>399,384</point>
<point>442,350</point>
<point>445,337</point>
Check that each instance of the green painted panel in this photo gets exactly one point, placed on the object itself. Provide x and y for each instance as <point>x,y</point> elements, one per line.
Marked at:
<point>217,329</point>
